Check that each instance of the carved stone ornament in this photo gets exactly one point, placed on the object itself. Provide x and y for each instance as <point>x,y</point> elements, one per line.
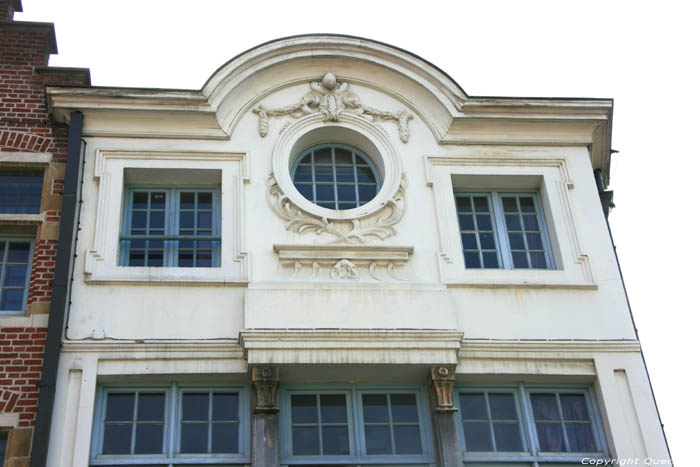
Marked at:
<point>332,99</point>
<point>443,382</point>
<point>379,226</point>
<point>266,380</point>
<point>344,270</point>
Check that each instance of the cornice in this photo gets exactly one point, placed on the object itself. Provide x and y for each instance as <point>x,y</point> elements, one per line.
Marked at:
<point>154,347</point>
<point>471,348</point>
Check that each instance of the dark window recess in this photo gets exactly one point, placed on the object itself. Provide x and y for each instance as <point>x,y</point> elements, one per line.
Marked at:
<point>20,192</point>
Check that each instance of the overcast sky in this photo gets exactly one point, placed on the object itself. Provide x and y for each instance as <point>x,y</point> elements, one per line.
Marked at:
<point>643,55</point>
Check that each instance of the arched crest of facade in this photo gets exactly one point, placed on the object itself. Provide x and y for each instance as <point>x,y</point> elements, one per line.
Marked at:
<point>241,84</point>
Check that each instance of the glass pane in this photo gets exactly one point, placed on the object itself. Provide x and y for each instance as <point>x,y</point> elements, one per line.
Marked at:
<point>509,204</point>
<point>186,221</point>
<point>345,174</point>
<point>407,440</point>
<point>365,175</point>
<point>307,191</point>
<point>375,408</point>
<point>550,437</point>
<point>502,407</point>
<point>137,258</point>
<point>483,222</point>
<point>12,300</point>
<point>520,260</point>
<point>544,407</point>
<point>138,220</point>
<point>527,204</point>
<point>573,407</point>
<point>225,407</point>
<point>117,439</point>
<point>120,407</point>
<point>530,222</point>
<point>472,260</point>
<point>325,192</point>
<point>343,156</point>
<point>507,437</point>
<point>224,438</point>
<point>342,206</point>
<point>304,408</point>
<point>538,261</point>
<point>158,200</point>
<point>333,408</point>
<point>194,437</point>
<point>469,241</point>
<point>2,254</point>
<point>322,156</point>
<point>157,220</point>
<point>367,193</point>
<point>534,241</point>
<point>516,241</point>
<point>487,241</point>
<point>204,259</point>
<point>473,406</point>
<point>187,200</point>
<point>305,441</point>
<point>303,174</point>
<point>15,276</point>
<point>513,222</point>
<point>140,200</point>
<point>481,204</point>
<point>336,440</point>
<point>306,159</point>
<point>490,260</point>
<point>149,438</point>
<point>466,222</point>
<point>18,252</point>
<point>327,205</point>
<point>403,408</point>
<point>324,173</point>
<point>464,204</point>
<point>151,407</point>
<point>185,259</point>
<point>580,436</point>
<point>155,258</point>
<point>204,220</point>
<point>195,406</point>
<point>377,440</point>
<point>346,193</point>
<point>204,201</point>
<point>477,436</point>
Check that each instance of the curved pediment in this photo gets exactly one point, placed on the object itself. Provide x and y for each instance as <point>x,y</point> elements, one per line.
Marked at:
<point>242,83</point>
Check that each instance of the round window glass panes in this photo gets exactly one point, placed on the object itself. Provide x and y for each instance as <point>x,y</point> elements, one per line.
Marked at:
<point>336,176</point>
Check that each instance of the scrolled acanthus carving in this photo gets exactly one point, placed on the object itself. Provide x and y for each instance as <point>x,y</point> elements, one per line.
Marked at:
<point>379,226</point>
<point>332,99</point>
<point>266,380</point>
<point>443,382</point>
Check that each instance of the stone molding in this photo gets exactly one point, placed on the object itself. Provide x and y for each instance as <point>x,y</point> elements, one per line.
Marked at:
<point>266,381</point>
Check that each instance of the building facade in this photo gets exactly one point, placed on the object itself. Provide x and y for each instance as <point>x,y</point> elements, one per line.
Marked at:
<point>32,166</point>
<point>332,255</point>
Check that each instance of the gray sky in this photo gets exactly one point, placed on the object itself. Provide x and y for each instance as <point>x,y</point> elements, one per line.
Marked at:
<point>642,54</point>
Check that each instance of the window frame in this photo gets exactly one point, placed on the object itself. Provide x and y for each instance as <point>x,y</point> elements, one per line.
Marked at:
<point>528,430</point>
<point>27,279</point>
<point>504,251</point>
<point>171,427</point>
<point>356,428</point>
<point>332,145</point>
<point>171,225</point>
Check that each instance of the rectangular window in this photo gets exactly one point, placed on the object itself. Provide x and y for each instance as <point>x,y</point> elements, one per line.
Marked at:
<point>171,227</point>
<point>355,425</point>
<point>15,268</point>
<point>149,424</point>
<point>20,192</point>
<point>503,230</point>
<point>529,424</point>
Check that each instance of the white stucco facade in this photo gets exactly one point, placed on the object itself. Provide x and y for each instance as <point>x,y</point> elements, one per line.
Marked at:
<point>375,295</point>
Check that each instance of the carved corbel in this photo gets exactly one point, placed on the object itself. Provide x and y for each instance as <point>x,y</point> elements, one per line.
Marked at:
<point>443,382</point>
<point>266,381</point>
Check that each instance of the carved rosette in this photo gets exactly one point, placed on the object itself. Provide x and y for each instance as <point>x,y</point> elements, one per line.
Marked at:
<point>332,99</point>
<point>443,382</point>
<point>378,226</point>
<point>266,380</point>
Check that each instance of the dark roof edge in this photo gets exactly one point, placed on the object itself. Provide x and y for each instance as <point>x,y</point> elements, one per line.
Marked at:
<point>35,26</point>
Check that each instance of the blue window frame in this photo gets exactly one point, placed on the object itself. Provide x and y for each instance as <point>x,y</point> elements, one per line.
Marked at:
<point>20,192</point>
<point>503,230</point>
<point>171,227</point>
<point>529,424</point>
<point>173,424</point>
<point>355,424</point>
<point>336,176</point>
<point>15,269</point>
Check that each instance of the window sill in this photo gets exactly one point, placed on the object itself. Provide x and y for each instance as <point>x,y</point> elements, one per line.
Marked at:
<point>166,275</point>
<point>523,284</point>
<point>22,219</point>
<point>17,319</point>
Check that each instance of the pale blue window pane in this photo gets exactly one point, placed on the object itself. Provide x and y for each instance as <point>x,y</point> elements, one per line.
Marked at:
<point>502,407</point>
<point>473,406</point>
<point>139,220</point>
<point>375,408</point>
<point>149,438</point>
<point>325,192</point>
<point>204,220</point>
<point>477,436</point>
<point>117,439</point>
<point>580,437</point>
<point>333,408</point>
<point>224,438</point>
<point>120,407</point>
<point>483,222</point>
<point>20,192</point>
<point>225,407</point>
<point>367,193</point>
<point>304,408</point>
<point>305,441</point>
<point>15,276</point>
<point>516,241</point>
<point>550,437</point>
<point>195,406</point>
<point>538,261</point>
<point>507,437</point>
<point>530,222</point>
<point>336,440</point>
<point>306,190</point>
<point>403,408</point>
<point>151,407</point>
<point>469,241</point>
<point>513,222</point>
<point>573,407</point>
<point>157,220</point>
<point>186,221</point>
<point>407,440</point>
<point>344,175</point>
<point>378,439</point>
<point>18,252</point>
<point>534,241</point>
<point>194,438</point>
<point>487,241</point>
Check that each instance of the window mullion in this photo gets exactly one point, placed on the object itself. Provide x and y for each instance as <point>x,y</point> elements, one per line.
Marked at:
<point>320,426</point>
<point>501,231</point>
<point>491,429</point>
<point>211,422</point>
<point>561,423</point>
<point>335,179</point>
<point>172,426</point>
<point>133,422</point>
<point>172,214</point>
<point>529,422</point>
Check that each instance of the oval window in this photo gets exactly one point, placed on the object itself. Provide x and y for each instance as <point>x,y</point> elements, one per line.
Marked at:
<point>335,176</point>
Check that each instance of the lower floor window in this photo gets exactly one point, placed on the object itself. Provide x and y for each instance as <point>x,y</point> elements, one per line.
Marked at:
<point>353,424</point>
<point>188,423</point>
<point>15,268</point>
<point>529,423</point>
